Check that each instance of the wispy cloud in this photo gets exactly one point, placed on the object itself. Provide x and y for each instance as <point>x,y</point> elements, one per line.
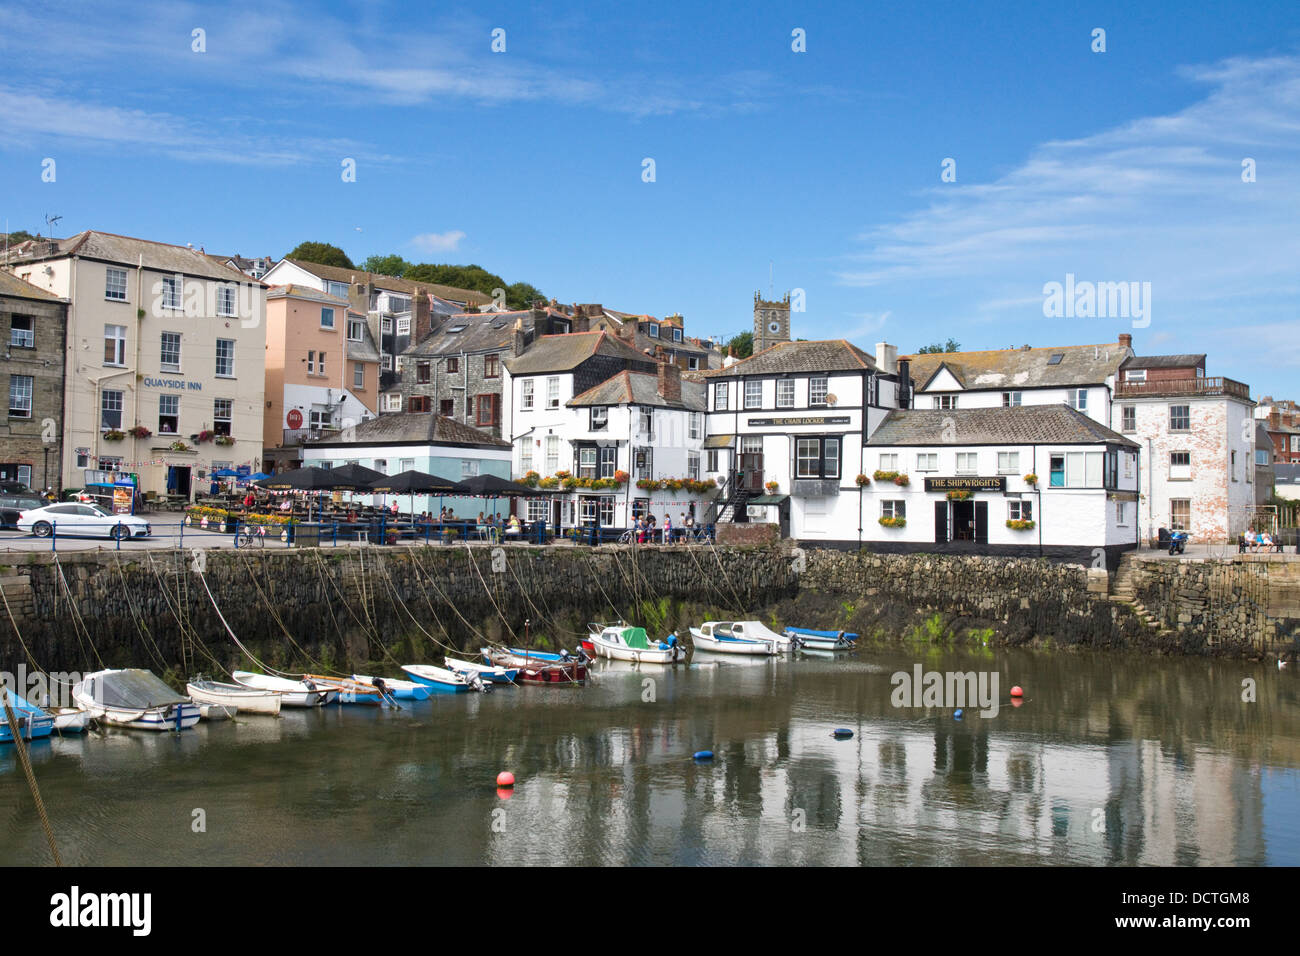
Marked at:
<point>438,241</point>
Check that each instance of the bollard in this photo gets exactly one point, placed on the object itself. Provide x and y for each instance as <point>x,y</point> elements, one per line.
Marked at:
<point>336,534</point>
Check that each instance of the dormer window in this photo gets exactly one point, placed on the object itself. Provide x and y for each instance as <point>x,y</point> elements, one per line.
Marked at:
<point>1135,375</point>
<point>654,331</point>
<point>677,335</point>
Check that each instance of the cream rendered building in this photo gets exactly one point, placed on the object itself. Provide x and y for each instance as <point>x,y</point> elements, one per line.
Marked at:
<point>165,358</point>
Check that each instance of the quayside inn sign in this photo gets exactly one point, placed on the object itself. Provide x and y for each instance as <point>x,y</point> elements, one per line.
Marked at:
<point>968,483</point>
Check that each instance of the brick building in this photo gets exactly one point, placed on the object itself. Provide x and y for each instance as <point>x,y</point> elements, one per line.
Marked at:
<point>1281,419</point>
<point>34,323</point>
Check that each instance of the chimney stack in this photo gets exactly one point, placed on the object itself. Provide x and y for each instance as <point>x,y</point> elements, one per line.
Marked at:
<point>904,383</point>
<point>421,316</point>
<point>886,357</point>
<point>1126,340</point>
<point>581,322</point>
<point>519,340</point>
<point>670,381</point>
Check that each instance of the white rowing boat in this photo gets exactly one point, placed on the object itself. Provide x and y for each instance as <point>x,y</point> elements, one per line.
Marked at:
<point>739,637</point>
<point>246,700</point>
<point>293,693</point>
<point>489,672</point>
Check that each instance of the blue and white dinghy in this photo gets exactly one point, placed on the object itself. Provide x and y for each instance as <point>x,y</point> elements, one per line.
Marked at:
<point>33,723</point>
<point>811,640</point>
<point>134,698</point>
<point>740,637</point>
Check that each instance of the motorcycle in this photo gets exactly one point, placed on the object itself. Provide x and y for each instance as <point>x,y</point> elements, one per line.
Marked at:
<point>1178,542</point>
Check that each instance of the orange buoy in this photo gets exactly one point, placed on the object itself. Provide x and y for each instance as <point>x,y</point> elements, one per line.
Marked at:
<point>1017,692</point>
<point>505,779</point>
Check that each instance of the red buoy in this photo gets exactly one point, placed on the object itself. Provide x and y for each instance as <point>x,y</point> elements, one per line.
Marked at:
<point>505,779</point>
<point>1017,692</point>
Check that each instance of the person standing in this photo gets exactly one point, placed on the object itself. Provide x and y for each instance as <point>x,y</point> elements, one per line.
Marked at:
<point>668,528</point>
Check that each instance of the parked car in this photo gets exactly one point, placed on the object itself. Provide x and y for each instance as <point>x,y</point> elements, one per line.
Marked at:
<point>14,500</point>
<point>81,521</point>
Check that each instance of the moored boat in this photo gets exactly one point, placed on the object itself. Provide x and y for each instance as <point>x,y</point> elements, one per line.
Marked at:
<point>736,637</point>
<point>70,720</point>
<point>821,640</point>
<point>395,688</point>
<point>134,698</point>
<point>350,690</point>
<point>539,667</point>
<point>293,693</point>
<point>488,672</point>
<point>621,642</point>
<point>246,700</point>
<point>33,723</point>
<point>440,680</point>
<point>217,711</point>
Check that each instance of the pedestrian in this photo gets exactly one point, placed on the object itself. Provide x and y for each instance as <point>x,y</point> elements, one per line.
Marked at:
<point>668,529</point>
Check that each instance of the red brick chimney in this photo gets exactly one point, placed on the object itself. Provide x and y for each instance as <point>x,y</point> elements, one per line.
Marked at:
<point>670,381</point>
<point>581,323</point>
<point>421,313</point>
<point>1125,340</point>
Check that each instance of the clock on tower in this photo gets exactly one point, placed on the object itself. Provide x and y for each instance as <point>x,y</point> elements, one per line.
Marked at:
<point>771,322</point>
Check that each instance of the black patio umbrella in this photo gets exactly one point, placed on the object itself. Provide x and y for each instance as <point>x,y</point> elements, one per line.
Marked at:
<point>308,479</point>
<point>416,483</point>
<point>359,474</point>
<point>490,486</point>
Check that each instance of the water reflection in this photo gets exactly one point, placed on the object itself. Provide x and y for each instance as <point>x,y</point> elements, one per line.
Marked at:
<point>1112,760</point>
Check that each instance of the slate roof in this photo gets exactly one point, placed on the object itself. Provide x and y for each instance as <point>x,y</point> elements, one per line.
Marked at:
<point>294,291</point>
<point>1165,361</point>
<point>1021,425</point>
<point>562,353</point>
<point>419,428</point>
<point>365,350</point>
<point>1286,473</point>
<point>483,332</point>
<point>830,355</point>
<point>11,285</point>
<point>124,250</point>
<point>639,388</point>
<point>408,286</point>
<point>1022,368</point>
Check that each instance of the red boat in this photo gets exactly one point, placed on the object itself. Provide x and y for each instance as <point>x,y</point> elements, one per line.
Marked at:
<point>539,667</point>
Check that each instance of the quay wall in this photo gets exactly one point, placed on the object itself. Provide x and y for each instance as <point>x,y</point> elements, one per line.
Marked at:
<point>350,608</point>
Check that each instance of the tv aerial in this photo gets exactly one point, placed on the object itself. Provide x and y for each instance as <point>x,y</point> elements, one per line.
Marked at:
<point>50,222</point>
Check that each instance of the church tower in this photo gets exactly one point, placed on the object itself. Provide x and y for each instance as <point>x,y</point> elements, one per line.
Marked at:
<point>771,322</point>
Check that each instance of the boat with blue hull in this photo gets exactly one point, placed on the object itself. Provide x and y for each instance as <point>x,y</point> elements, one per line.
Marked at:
<point>440,680</point>
<point>811,640</point>
<point>488,672</point>
<point>33,723</point>
<point>396,689</point>
<point>136,699</point>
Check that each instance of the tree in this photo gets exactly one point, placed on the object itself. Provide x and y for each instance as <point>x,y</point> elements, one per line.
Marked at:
<point>938,348</point>
<point>19,235</point>
<point>742,345</point>
<point>393,265</point>
<point>322,253</point>
<point>521,295</point>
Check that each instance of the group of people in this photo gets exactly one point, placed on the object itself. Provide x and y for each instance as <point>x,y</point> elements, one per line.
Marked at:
<point>1261,541</point>
<point>647,533</point>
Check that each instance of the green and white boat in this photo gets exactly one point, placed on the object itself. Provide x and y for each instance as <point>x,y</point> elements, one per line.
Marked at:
<point>620,642</point>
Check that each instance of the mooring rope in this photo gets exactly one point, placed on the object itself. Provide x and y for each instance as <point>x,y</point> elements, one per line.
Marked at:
<point>222,617</point>
<point>77,619</point>
<point>21,746</point>
<point>136,617</point>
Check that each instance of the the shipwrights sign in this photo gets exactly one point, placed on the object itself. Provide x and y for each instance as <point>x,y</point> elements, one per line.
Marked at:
<point>968,483</point>
<point>808,420</point>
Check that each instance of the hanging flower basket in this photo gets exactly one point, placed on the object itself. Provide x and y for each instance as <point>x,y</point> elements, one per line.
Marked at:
<point>902,481</point>
<point>893,522</point>
<point>1031,479</point>
<point>139,431</point>
<point>205,435</point>
<point>862,481</point>
<point>959,494</point>
<point>621,477</point>
<point>772,487</point>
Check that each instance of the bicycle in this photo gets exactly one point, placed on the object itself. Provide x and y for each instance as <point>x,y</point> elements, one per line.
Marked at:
<point>247,536</point>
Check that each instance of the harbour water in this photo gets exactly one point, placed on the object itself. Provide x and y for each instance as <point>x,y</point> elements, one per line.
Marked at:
<point>1111,760</point>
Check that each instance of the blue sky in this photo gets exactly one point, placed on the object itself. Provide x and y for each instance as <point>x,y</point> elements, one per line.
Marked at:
<point>1115,166</point>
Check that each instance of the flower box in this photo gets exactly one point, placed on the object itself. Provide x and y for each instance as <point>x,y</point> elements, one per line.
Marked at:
<point>893,522</point>
<point>114,435</point>
<point>1016,525</point>
<point>959,494</point>
<point>223,440</point>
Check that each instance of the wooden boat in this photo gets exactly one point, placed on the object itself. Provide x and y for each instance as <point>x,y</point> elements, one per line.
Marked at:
<point>620,642</point>
<point>396,689</point>
<point>33,723</point>
<point>293,693</point>
<point>350,690</point>
<point>497,675</point>
<point>735,637</point>
<point>245,699</point>
<point>134,698</point>
<point>440,680</point>
<point>821,640</point>
<point>539,667</point>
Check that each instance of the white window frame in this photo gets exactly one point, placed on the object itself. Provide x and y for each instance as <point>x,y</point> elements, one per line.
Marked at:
<point>1020,509</point>
<point>229,349</point>
<point>356,326</point>
<point>226,300</point>
<point>117,335</point>
<point>526,395</point>
<point>173,289</point>
<point>109,405</point>
<point>172,402</point>
<point>20,387</point>
<point>1180,471</point>
<point>526,454</point>
<point>115,284</point>
<point>1008,463</point>
<point>358,374</point>
<point>927,461</point>
<point>753,393</point>
<point>1012,399</point>
<point>553,392</point>
<point>893,508</point>
<point>968,463</point>
<point>22,338</point>
<point>720,396</point>
<point>785,393</point>
<point>818,389</point>
<point>552,449</point>
<point>695,424</point>
<point>163,363</point>
<point>889,461</point>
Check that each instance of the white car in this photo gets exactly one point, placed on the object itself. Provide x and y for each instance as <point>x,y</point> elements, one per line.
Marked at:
<point>82,521</point>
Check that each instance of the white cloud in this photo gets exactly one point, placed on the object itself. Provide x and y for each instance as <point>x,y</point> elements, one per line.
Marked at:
<point>438,241</point>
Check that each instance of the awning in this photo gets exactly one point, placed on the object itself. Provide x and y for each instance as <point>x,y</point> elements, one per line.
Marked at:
<point>767,500</point>
<point>719,441</point>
